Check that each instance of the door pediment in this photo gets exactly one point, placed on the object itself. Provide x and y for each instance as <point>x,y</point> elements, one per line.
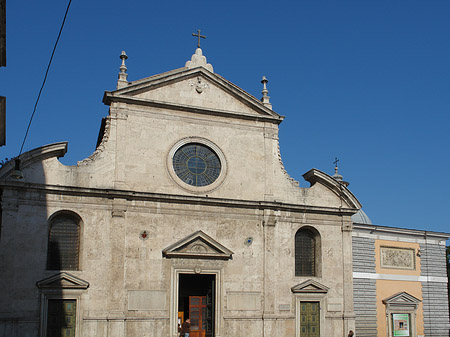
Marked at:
<point>402,299</point>
<point>198,246</point>
<point>62,281</point>
<point>310,286</point>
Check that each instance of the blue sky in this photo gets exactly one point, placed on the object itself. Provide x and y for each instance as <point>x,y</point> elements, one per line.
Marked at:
<point>365,81</point>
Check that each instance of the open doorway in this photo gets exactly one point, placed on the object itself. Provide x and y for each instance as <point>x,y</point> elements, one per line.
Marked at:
<point>196,301</point>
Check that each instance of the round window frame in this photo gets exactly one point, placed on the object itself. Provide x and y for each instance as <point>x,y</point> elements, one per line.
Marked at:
<point>197,189</point>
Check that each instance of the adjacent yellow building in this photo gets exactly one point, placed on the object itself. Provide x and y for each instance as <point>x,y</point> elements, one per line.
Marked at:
<point>400,281</point>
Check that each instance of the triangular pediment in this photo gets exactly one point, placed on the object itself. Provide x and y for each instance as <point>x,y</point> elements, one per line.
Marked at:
<point>310,286</point>
<point>198,246</point>
<point>63,281</point>
<point>196,90</point>
<point>402,298</point>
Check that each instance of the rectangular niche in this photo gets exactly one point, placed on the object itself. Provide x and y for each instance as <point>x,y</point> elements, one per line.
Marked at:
<point>244,301</point>
<point>398,258</point>
<point>146,300</point>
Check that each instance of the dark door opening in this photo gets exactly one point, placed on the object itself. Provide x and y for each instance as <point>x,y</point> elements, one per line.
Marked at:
<point>196,301</point>
<point>61,318</point>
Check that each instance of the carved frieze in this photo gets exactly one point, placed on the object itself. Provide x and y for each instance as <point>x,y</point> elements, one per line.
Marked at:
<point>398,258</point>
<point>197,247</point>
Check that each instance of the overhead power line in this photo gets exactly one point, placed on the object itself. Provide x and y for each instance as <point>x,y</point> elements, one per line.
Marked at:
<point>45,77</point>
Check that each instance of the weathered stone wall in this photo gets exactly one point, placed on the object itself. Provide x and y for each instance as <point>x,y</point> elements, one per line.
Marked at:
<point>115,261</point>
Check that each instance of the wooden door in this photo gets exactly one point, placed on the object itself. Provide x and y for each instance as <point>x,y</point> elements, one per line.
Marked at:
<point>197,315</point>
<point>309,319</point>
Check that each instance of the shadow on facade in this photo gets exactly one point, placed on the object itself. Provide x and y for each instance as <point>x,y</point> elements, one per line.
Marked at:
<point>37,260</point>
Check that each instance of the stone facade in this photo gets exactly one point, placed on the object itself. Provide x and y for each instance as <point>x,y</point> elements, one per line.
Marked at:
<point>149,238</point>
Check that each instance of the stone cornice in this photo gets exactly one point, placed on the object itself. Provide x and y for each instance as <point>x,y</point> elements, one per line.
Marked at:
<point>172,198</point>
<point>110,98</point>
<point>376,229</point>
<point>39,154</point>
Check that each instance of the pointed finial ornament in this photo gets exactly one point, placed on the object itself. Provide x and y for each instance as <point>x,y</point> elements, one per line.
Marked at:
<point>199,60</point>
<point>336,175</point>
<point>265,99</point>
<point>122,82</point>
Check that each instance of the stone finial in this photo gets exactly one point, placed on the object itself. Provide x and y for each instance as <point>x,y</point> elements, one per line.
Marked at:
<point>339,178</point>
<point>122,82</point>
<point>198,60</point>
<point>265,99</point>
<point>336,175</point>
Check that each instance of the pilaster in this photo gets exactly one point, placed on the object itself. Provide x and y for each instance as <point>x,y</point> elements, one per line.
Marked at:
<point>347,258</point>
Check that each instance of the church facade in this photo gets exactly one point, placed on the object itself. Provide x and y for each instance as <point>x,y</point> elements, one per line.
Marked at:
<point>183,211</point>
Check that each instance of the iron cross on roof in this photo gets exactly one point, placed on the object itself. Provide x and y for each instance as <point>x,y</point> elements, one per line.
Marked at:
<point>336,161</point>
<point>199,36</point>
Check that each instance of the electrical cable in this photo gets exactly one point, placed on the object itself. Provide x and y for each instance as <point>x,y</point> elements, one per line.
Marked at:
<point>45,77</point>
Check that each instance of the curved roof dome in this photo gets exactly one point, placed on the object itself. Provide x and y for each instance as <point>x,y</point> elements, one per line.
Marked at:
<point>361,218</point>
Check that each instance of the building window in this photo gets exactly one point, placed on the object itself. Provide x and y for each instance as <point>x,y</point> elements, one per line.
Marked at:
<point>63,242</point>
<point>306,256</point>
<point>196,164</point>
